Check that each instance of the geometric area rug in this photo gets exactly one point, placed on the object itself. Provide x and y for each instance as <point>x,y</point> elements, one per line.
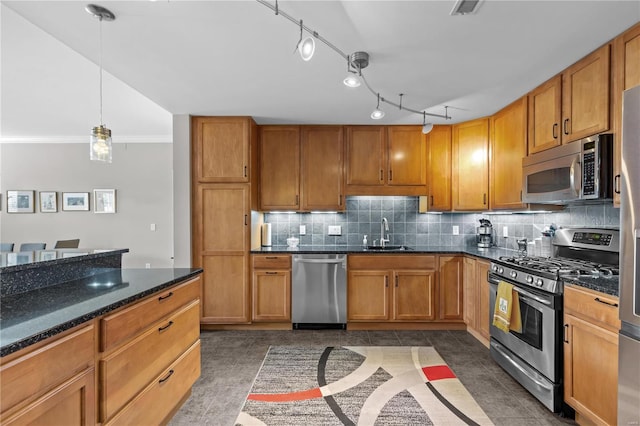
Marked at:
<point>358,385</point>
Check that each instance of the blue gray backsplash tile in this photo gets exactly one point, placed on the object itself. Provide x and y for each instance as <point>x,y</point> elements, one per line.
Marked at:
<point>409,227</point>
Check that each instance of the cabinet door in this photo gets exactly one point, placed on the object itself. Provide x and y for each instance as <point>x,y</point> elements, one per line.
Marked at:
<point>469,291</point>
<point>271,296</point>
<point>221,148</point>
<point>225,289</point>
<point>545,103</point>
<point>322,168</point>
<point>508,147</point>
<point>280,167</point>
<point>407,156</point>
<point>482,288</point>
<point>439,168</point>
<point>365,155</point>
<point>368,296</point>
<point>414,295</point>
<point>591,370</point>
<point>585,96</point>
<point>470,171</point>
<point>450,284</point>
<point>221,217</point>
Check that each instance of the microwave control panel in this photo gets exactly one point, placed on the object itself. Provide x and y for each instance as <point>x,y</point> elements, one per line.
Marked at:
<point>589,171</point>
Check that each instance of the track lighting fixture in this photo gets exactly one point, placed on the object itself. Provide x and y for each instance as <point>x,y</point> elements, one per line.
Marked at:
<point>100,142</point>
<point>356,62</point>
<point>377,113</point>
<point>426,127</point>
<point>306,47</point>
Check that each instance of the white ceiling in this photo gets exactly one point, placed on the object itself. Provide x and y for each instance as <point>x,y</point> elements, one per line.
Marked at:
<point>237,58</point>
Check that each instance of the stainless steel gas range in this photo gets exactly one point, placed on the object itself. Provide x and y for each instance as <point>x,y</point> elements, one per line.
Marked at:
<point>534,356</point>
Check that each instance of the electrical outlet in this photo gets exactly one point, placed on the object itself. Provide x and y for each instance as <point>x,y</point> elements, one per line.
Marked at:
<point>505,231</point>
<point>147,265</point>
<point>335,230</point>
<point>152,227</point>
<point>456,230</point>
<point>303,229</point>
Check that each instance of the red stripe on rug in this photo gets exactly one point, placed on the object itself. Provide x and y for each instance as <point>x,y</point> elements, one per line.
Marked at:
<point>438,372</point>
<point>285,397</point>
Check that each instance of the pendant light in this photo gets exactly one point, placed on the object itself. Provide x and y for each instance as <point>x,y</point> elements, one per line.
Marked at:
<point>377,113</point>
<point>100,143</point>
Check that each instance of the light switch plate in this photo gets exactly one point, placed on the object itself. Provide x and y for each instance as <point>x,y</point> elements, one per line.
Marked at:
<point>505,231</point>
<point>456,230</point>
<point>335,230</point>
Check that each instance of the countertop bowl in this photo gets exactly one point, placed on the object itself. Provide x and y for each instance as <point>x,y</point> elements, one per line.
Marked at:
<point>293,241</point>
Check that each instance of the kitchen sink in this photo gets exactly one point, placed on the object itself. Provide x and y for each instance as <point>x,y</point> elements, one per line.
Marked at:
<point>389,248</point>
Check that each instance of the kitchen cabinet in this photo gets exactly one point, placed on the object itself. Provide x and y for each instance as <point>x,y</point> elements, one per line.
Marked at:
<point>322,168</point>
<point>476,298</point>
<point>626,74</point>
<point>591,355</point>
<point>572,105</point>
<point>223,148</point>
<point>279,167</point>
<point>385,160</point>
<point>439,169</point>
<point>508,145</point>
<point>34,393</point>
<point>450,287</point>
<point>391,288</point>
<point>271,288</point>
<point>470,180</point>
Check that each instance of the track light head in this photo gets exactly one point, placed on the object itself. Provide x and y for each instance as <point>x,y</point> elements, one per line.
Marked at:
<point>306,48</point>
<point>426,128</point>
<point>351,80</point>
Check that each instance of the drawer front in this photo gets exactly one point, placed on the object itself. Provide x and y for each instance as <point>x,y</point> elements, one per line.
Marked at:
<point>122,325</point>
<point>127,371</point>
<point>399,261</point>
<point>163,393</point>
<point>592,306</point>
<point>37,372</point>
<point>271,261</point>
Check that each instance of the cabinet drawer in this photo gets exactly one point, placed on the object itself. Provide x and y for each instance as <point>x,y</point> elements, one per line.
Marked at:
<point>164,392</point>
<point>118,327</point>
<point>399,261</point>
<point>271,262</point>
<point>127,371</point>
<point>592,306</point>
<point>37,372</point>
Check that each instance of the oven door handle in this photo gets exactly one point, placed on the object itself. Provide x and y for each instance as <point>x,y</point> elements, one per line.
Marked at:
<point>523,292</point>
<point>517,365</point>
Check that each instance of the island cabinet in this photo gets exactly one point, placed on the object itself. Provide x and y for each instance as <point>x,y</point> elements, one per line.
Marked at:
<point>477,311</point>
<point>470,181</point>
<point>591,327</point>
<point>271,288</point>
<point>572,105</point>
<point>35,393</point>
<point>626,74</point>
<point>391,288</point>
<point>385,160</point>
<point>439,169</point>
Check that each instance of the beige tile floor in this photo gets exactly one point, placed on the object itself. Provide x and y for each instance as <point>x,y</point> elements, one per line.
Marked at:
<point>231,360</point>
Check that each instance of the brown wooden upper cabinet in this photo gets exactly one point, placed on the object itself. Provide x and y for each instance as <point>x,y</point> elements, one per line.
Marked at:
<point>385,160</point>
<point>322,168</point>
<point>222,148</point>
<point>439,168</point>
<point>279,167</point>
<point>572,105</point>
<point>470,174</point>
<point>508,145</point>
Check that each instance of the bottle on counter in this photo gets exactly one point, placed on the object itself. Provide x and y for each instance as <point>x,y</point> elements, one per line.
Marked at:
<point>364,241</point>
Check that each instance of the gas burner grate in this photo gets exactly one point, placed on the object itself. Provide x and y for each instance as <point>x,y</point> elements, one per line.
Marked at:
<point>560,266</point>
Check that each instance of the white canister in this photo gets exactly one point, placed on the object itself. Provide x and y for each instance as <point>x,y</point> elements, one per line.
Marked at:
<point>545,246</point>
<point>266,235</point>
<point>538,246</point>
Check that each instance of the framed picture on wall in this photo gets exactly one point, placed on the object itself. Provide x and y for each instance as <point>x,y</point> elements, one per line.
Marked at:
<point>75,201</point>
<point>104,200</point>
<point>48,201</point>
<point>20,202</point>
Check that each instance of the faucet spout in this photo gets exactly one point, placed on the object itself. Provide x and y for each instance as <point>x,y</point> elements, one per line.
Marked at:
<point>384,226</point>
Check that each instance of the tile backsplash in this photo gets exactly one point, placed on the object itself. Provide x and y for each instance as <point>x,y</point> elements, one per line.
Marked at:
<point>409,227</point>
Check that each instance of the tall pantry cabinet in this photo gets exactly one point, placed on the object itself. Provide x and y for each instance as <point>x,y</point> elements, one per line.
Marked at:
<point>223,164</point>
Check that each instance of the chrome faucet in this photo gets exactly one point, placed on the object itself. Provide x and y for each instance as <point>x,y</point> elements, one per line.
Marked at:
<point>384,226</point>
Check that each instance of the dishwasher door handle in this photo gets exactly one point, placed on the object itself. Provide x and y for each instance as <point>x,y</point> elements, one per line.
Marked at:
<point>325,261</point>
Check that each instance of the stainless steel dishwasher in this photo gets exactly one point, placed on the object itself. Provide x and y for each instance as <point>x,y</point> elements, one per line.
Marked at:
<point>319,291</point>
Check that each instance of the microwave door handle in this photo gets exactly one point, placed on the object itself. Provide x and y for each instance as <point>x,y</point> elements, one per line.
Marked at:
<point>574,176</point>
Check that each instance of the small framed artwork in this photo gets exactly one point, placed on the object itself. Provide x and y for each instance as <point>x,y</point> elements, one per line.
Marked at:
<point>104,200</point>
<point>48,201</point>
<point>75,201</point>
<point>20,202</point>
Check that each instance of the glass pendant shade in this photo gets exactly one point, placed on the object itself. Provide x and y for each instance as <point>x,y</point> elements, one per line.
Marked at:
<point>351,80</point>
<point>377,114</point>
<point>306,48</point>
<point>100,146</point>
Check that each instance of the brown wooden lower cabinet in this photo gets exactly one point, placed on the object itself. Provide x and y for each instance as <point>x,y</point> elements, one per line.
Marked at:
<point>271,288</point>
<point>476,298</point>
<point>450,288</point>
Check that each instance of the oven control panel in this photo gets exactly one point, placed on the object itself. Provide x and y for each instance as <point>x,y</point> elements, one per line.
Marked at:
<point>523,278</point>
<point>592,238</point>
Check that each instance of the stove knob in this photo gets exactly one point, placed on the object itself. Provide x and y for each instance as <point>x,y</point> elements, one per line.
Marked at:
<point>513,274</point>
<point>529,279</point>
<point>495,268</point>
<point>500,270</point>
<point>539,282</point>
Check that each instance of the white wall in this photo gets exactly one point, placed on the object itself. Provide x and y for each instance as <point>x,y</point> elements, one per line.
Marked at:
<point>141,175</point>
<point>182,190</point>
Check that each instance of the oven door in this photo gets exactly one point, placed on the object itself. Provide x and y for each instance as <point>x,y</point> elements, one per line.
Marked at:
<point>539,344</point>
<point>553,176</point>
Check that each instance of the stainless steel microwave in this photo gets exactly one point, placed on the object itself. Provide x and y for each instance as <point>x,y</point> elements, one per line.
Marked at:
<point>578,171</point>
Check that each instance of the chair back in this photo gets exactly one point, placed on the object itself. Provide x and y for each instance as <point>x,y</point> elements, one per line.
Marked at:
<point>32,246</point>
<point>67,243</point>
<point>6,247</point>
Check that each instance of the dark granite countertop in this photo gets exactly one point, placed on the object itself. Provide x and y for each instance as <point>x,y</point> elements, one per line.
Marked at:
<point>20,261</point>
<point>30,317</point>
<point>606,285</point>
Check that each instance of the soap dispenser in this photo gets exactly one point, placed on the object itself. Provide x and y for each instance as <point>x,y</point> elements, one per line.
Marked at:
<point>364,241</point>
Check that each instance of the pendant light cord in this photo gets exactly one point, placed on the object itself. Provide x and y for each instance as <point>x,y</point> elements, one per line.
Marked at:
<point>100,62</point>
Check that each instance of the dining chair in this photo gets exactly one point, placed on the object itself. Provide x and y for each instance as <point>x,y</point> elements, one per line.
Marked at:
<point>32,246</point>
<point>6,247</point>
<point>67,243</point>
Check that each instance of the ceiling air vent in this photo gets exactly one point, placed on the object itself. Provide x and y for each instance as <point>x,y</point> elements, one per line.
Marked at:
<point>466,7</point>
